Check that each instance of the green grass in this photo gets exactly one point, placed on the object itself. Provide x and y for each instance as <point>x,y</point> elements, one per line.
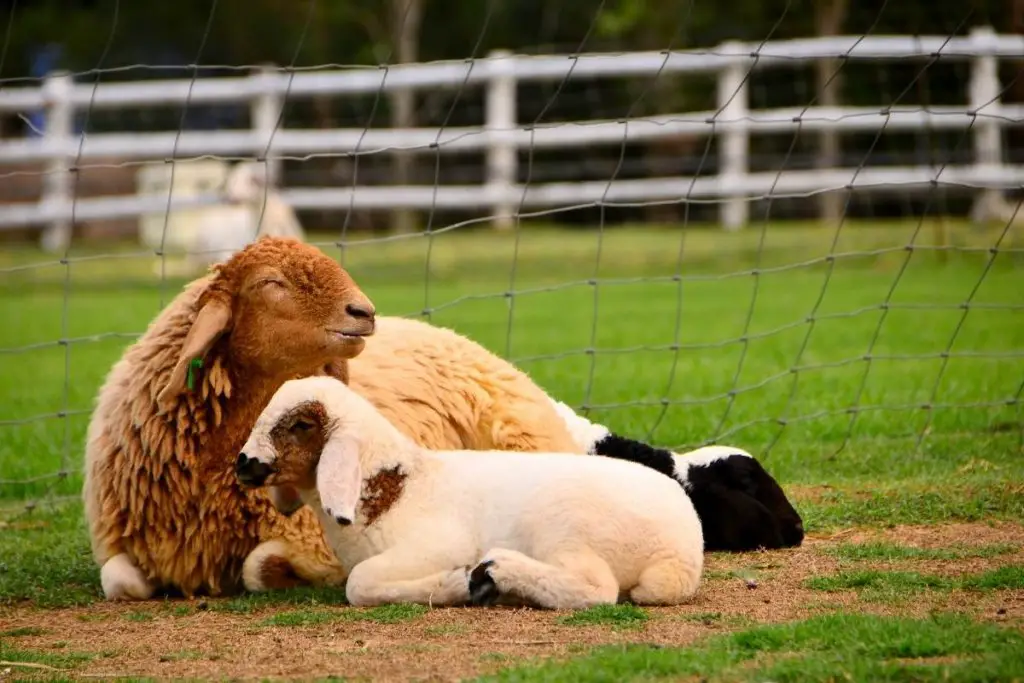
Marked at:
<point>824,648</point>
<point>385,614</point>
<point>57,660</point>
<point>892,586</point>
<point>23,632</point>
<point>891,552</point>
<point>888,502</point>
<point>620,616</point>
<point>1011,576</point>
<point>302,596</point>
<point>966,468</point>
<point>46,558</point>
<point>138,615</point>
<point>739,337</point>
<point>853,406</point>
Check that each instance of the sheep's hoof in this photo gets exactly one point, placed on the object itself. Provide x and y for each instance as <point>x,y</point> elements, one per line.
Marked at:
<point>483,592</point>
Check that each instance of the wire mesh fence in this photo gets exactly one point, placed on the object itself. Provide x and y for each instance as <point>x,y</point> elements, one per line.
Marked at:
<point>888,321</point>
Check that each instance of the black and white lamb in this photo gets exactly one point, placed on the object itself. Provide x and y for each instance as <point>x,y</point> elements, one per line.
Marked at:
<point>741,507</point>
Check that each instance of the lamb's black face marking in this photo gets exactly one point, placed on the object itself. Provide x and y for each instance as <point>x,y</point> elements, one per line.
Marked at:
<point>615,446</point>
<point>740,506</point>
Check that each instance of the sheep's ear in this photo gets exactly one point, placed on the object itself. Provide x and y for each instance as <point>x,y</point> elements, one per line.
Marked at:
<point>213,320</point>
<point>286,499</point>
<point>339,478</point>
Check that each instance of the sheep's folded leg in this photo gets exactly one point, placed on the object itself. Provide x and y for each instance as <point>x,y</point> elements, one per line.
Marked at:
<point>390,578</point>
<point>121,579</point>
<point>277,564</point>
<point>670,581</point>
<point>570,580</point>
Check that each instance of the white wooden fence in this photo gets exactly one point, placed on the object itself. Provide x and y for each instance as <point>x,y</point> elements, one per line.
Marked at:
<point>500,135</point>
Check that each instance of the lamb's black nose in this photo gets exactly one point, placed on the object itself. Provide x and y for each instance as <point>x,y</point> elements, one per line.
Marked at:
<point>250,471</point>
<point>794,535</point>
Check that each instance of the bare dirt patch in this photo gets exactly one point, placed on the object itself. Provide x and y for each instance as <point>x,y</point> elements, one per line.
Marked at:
<point>165,641</point>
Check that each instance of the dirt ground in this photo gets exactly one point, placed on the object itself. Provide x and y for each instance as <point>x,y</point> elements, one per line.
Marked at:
<point>449,644</point>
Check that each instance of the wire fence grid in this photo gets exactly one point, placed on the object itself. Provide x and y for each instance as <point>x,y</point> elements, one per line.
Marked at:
<point>670,395</point>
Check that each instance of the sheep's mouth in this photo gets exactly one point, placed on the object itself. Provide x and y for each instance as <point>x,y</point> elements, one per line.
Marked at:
<point>351,334</point>
<point>251,472</point>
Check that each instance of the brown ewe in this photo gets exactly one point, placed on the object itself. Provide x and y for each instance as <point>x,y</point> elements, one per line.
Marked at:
<point>163,506</point>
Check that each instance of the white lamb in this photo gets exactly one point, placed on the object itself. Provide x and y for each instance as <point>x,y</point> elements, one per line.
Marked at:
<point>551,530</point>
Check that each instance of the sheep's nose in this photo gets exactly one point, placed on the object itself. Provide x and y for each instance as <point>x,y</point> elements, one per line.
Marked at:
<point>250,471</point>
<point>364,311</point>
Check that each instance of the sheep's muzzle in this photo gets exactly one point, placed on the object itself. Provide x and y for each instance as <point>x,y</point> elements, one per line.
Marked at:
<point>251,472</point>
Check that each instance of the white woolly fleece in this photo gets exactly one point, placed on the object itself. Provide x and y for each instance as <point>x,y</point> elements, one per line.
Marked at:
<point>583,431</point>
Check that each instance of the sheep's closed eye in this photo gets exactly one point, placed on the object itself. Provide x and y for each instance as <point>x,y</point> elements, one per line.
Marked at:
<point>273,289</point>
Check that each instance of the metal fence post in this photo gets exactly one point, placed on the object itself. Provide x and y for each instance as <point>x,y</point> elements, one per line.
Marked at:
<point>500,120</point>
<point>266,114</point>
<point>58,139</point>
<point>984,90</point>
<point>734,140</point>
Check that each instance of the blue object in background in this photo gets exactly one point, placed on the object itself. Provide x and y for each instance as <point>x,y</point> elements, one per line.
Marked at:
<point>43,61</point>
<point>47,58</point>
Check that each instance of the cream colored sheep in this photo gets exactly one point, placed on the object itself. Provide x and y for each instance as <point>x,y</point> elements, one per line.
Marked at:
<point>247,185</point>
<point>454,527</point>
<point>254,209</point>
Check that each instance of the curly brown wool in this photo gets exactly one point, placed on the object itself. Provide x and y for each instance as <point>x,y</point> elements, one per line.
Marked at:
<point>277,573</point>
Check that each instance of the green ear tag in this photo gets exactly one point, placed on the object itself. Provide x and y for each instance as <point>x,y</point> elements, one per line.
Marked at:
<point>193,367</point>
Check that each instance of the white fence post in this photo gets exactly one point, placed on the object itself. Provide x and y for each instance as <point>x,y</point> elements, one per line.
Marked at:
<point>58,136</point>
<point>988,146</point>
<point>500,120</point>
<point>734,140</point>
<point>266,113</point>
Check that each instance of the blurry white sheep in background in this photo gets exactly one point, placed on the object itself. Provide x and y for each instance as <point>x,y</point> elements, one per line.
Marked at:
<point>251,208</point>
<point>254,209</point>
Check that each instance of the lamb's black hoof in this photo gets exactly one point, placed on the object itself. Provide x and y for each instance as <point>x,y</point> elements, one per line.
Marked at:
<point>483,592</point>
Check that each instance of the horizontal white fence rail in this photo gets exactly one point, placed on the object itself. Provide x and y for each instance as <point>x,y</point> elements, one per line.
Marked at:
<point>359,141</point>
<point>500,135</point>
<point>547,196</point>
